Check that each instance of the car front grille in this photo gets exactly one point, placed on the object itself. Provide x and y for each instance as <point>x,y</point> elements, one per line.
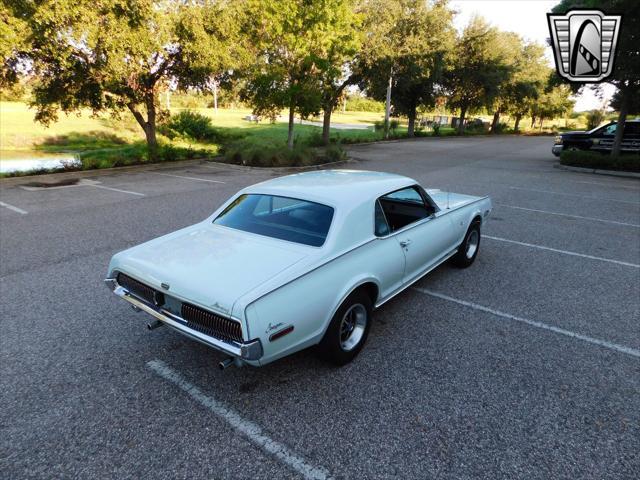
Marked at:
<point>141,290</point>
<point>211,324</point>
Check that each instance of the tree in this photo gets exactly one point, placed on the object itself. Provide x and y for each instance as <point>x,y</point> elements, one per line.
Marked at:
<point>528,77</point>
<point>115,56</point>
<point>626,71</point>
<point>594,118</point>
<point>295,42</point>
<point>406,50</point>
<point>554,102</point>
<point>337,57</point>
<point>477,70</point>
<point>531,77</point>
<point>13,32</point>
<point>509,47</point>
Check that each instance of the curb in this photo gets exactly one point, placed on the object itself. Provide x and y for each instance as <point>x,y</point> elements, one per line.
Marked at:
<point>61,176</point>
<point>612,173</point>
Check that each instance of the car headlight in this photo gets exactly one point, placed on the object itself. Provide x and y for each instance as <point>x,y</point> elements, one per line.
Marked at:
<point>558,140</point>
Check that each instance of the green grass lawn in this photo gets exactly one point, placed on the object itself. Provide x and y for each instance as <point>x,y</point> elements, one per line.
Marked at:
<point>101,141</point>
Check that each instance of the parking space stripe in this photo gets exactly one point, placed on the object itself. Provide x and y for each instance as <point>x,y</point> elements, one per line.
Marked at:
<point>534,323</point>
<point>117,190</point>
<point>613,185</point>
<point>575,195</point>
<point>565,252</point>
<point>187,178</point>
<point>570,216</point>
<point>249,429</point>
<point>15,209</point>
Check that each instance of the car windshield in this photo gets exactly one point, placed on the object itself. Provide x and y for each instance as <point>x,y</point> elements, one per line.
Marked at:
<point>284,218</point>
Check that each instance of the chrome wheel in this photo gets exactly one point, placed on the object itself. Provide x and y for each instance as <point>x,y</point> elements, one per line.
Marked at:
<point>352,326</point>
<point>472,243</point>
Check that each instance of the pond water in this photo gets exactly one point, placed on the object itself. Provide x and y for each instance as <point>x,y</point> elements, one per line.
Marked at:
<point>25,160</point>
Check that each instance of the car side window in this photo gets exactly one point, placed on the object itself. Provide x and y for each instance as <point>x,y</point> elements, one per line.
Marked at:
<point>610,130</point>
<point>403,207</point>
<point>632,128</point>
<point>381,225</point>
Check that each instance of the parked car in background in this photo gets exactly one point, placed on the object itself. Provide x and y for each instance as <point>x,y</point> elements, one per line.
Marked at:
<point>297,261</point>
<point>599,139</point>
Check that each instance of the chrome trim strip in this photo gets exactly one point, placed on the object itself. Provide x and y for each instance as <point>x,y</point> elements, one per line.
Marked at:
<point>251,350</point>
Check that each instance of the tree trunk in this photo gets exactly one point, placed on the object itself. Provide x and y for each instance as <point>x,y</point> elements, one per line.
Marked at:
<point>495,121</point>
<point>148,126</point>
<point>291,122</point>
<point>412,122</point>
<point>533,121</point>
<point>150,131</point>
<point>463,113</point>
<point>387,110</point>
<point>541,122</point>
<point>622,117</point>
<point>517,125</point>
<point>326,125</point>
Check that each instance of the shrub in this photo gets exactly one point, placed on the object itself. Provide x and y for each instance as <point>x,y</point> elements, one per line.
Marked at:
<point>379,125</point>
<point>594,118</point>
<point>261,153</point>
<point>596,160</point>
<point>195,126</point>
<point>335,153</point>
<point>436,129</point>
<point>190,124</point>
<point>358,103</point>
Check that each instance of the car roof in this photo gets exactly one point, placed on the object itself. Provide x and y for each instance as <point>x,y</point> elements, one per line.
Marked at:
<point>334,187</point>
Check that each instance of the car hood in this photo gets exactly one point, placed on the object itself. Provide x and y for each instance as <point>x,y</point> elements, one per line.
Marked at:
<point>207,264</point>
<point>577,133</point>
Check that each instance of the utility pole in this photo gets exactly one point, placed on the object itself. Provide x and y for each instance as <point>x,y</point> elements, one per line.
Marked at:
<point>387,110</point>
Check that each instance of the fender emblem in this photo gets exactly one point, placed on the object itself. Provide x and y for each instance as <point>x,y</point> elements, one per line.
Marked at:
<point>165,286</point>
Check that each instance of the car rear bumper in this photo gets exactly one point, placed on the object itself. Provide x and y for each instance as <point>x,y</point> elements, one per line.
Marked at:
<point>556,150</point>
<point>250,351</point>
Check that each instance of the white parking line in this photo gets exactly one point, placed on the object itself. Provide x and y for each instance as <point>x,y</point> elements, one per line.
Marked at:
<point>249,429</point>
<point>187,178</point>
<point>116,189</point>
<point>569,215</point>
<point>534,323</point>
<point>565,252</point>
<point>15,209</point>
<point>575,195</point>
<point>614,185</point>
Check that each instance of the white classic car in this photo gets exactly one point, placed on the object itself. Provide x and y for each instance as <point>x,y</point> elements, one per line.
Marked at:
<point>297,261</point>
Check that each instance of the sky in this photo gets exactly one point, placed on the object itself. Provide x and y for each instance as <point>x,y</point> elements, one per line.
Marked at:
<point>527,18</point>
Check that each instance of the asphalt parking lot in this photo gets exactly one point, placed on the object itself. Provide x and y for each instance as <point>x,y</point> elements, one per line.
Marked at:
<point>526,365</point>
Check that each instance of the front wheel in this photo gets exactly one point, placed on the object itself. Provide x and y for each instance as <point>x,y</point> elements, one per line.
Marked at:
<point>468,249</point>
<point>348,330</point>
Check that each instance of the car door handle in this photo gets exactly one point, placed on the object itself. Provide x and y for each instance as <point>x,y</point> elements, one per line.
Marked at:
<point>405,243</point>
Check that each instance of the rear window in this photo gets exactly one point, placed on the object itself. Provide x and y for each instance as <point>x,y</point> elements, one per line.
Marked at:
<point>284,218</point>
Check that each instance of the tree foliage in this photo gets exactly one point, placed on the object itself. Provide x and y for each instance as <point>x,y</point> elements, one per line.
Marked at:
<point>113,55</point>
<point>478,69</point>
<point>300,47</point>
<point>409,42</point>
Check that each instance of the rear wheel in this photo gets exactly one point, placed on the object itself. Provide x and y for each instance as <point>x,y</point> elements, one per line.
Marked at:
<point>348,329</point>
<point>468,249</point>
